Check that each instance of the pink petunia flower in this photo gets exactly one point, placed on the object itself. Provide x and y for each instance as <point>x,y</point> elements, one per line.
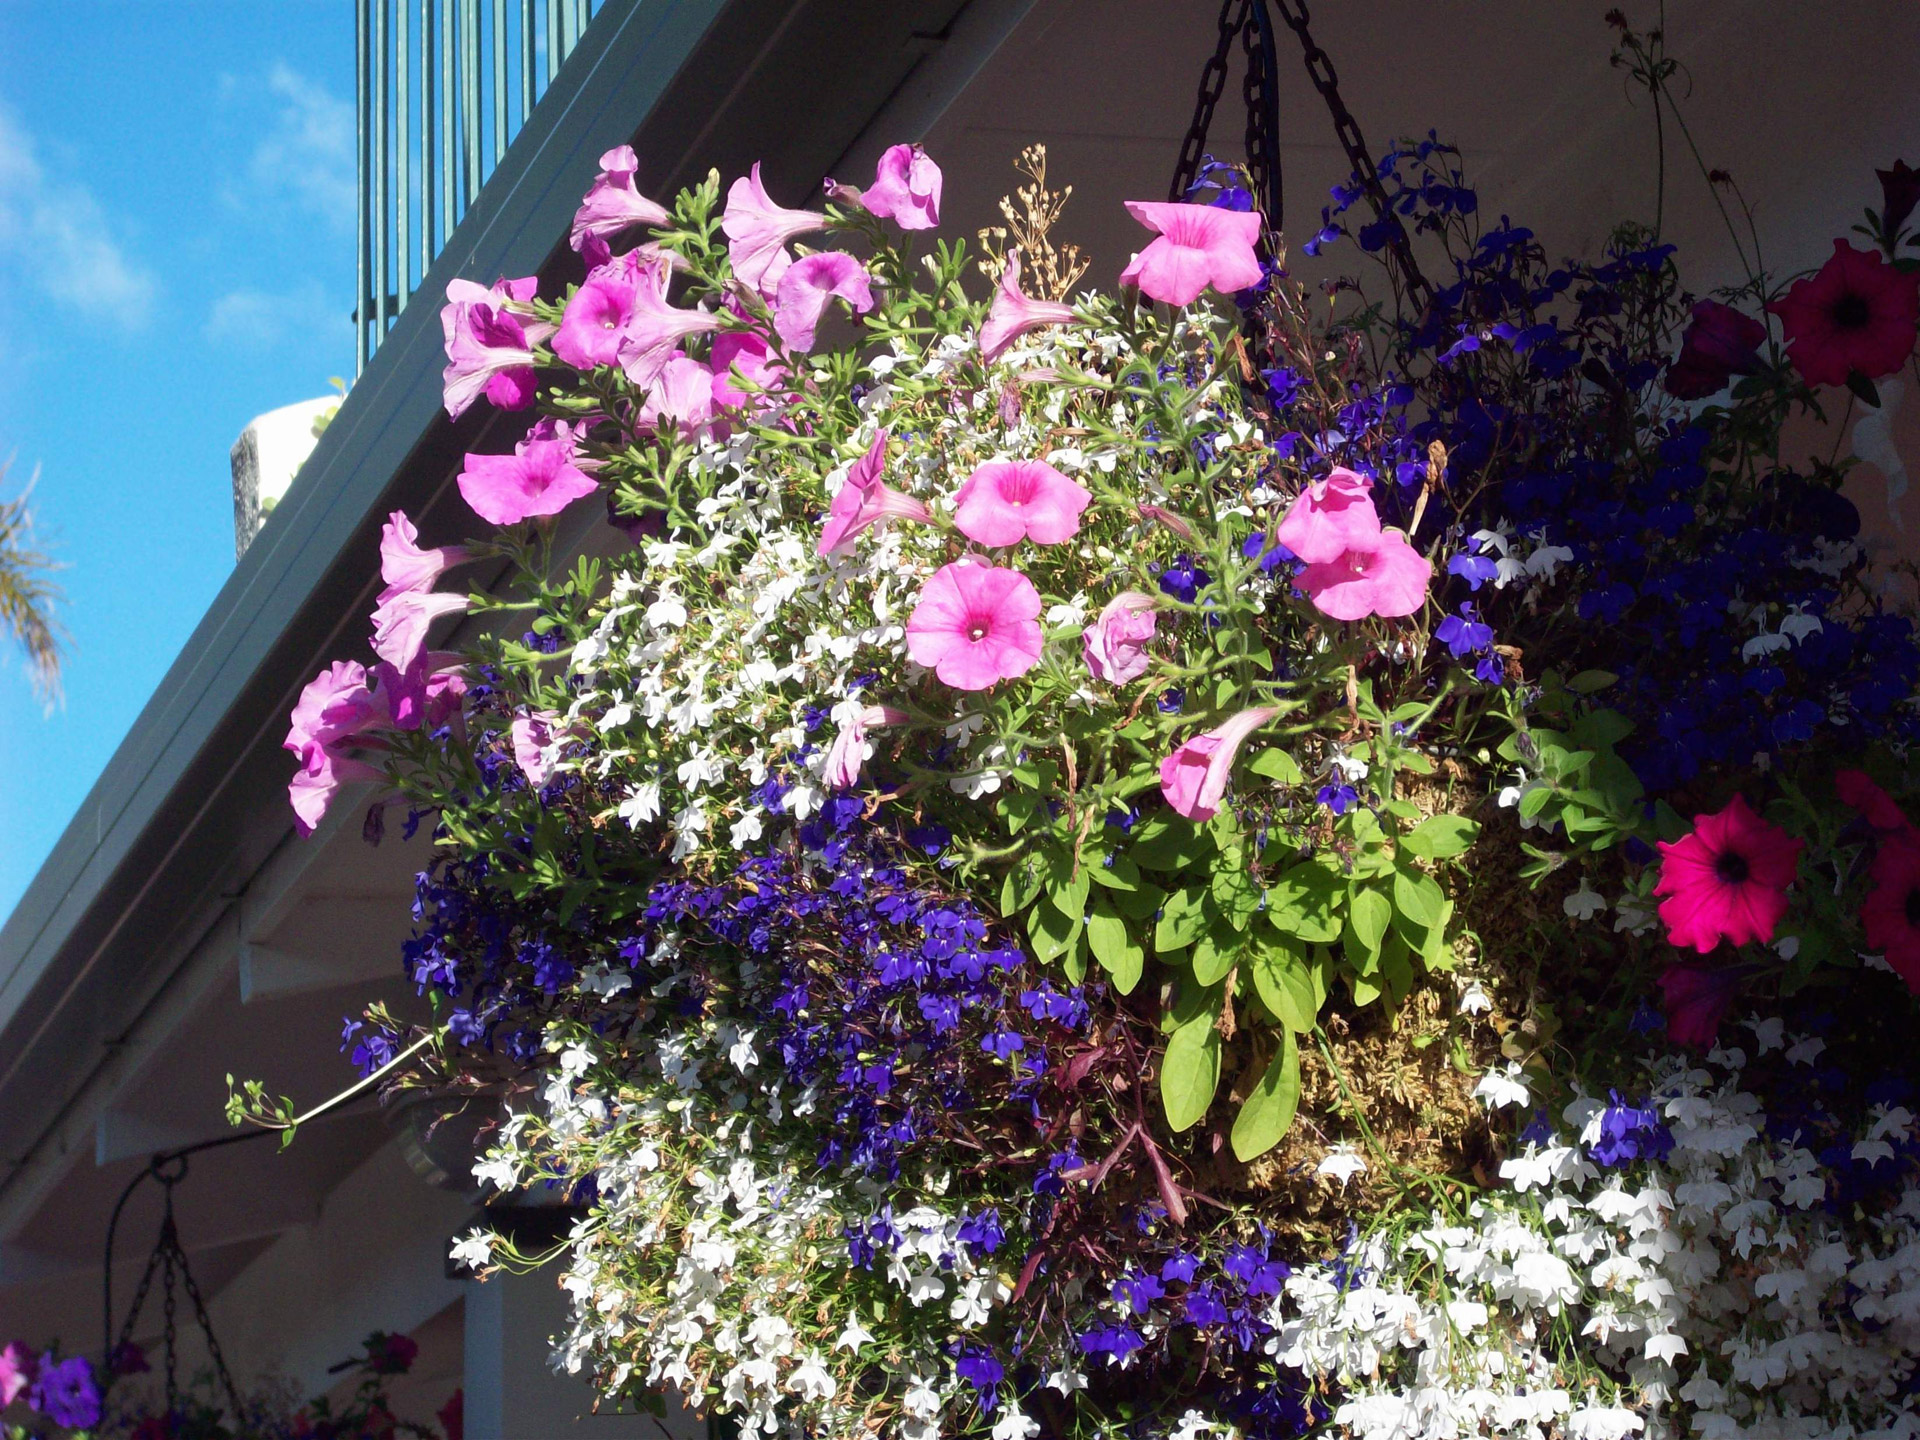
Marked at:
<point>1198,246</point>
<point>653,333</point>
<point>1331,517</point>
<point>850,748</point>
<point>334,705</point>
<point>1389,580</point>
<point>864,498</point>
<point>400,625</point>
<point>1891,912</point>
<point>1115,644</point>
<point>1013,313</point>
<point>681,397</point>
<point>906,190</point>
<point>405,565</point>
<point>1857,789</point>
<point>744,354</point>
<point>535,739</point>
<point>1720,342</point>
<point>807,286</point>
<point>1007,501</point>
<point>321,774</point>
<point>541,477</point>
<point>1696,999</point>
<point>18,1366</point>
<point>1726,879</point>
<point>489,347</point>
<point>1857,314</point>
<point>974,624</point>
<point>1194,777</point>
<point>613,202</point>
<point>597,316</point>
<point>758,230</point>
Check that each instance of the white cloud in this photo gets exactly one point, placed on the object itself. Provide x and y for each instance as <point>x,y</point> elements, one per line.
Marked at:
<point>307,153</point>
<point>54,235</point>
<point>258,320</point>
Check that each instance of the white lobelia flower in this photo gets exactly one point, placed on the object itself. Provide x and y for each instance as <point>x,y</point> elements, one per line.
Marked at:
<point>642,805</point>
<point>1067,1380</point>
<point>474,1249</point>
<point>1474,999</point>
<point>1014,1425</point>
<point>853,1336</point>
<point>1498,1089</point>
<point>810,1379</point>
<point>1341,1163</point>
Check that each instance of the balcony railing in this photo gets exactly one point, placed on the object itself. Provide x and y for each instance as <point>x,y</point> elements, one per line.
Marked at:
<point>443,87</point>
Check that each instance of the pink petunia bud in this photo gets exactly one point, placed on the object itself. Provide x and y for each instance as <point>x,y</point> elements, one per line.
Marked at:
<point>1013,313</point>
<point>758,230</point>
<point>614,203</point>
<point>906,189</point>
<point>1115,644</point>
<point>850,749</point>
<point>1194,777</point>
<point>864,499</point>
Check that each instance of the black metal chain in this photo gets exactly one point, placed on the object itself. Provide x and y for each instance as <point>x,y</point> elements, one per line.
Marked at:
<point>169,1262</point>
<point>1252,21</point>
<point>1320,70</point>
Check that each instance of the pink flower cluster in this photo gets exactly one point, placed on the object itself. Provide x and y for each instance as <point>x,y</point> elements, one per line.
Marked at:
<point>1354,568</point>
<point>346,706</point>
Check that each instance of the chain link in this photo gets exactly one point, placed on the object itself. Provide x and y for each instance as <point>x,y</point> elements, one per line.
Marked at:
<point>1213,83</point>
<point>1320,70</point>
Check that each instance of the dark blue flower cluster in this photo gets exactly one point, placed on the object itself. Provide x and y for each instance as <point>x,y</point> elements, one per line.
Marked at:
<point>1688,544</point>
<point>1629,1133</point>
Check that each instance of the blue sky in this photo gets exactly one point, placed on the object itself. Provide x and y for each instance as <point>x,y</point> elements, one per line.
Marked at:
<point>176,256</point>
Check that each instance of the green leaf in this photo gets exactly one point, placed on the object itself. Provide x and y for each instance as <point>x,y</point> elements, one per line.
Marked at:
<point>1170,843</point>
<point>1277,765</point>
<point>1267,1114</point>
<point>1416,896</point>
<point>1534,801</point>
<point>1190,1073</point>
<point>1303,903</point>
<point>1067,883</point>
<point>1284,982</point>
<point>1141,903</point>
<point>1589,682</point>
<point>1235,891</point>
<point>1021,887</point>
<point>1215,953</point>
<point>1050,931</point>
<point>1367,917</point>
<point>1183,920</point>
<point>1116,871</point>
<point>1119,954</point>
<point>1396,967</point>
<point>1440,836</point>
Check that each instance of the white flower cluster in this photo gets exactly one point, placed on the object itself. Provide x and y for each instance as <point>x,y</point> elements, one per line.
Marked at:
<point>1718,1294</point>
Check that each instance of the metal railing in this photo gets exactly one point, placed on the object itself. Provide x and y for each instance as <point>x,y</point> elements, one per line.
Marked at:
<point>443,87</point>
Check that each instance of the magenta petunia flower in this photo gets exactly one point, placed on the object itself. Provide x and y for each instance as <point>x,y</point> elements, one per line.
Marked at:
<point>743,354</point>
<point>334,705</point>
<point>613,202</point>
<point>681,397</point>
<point>653,333</point>
<point>1331,517</point>
<point>1007,501</point>
<point>1857,789</point>
<point>974,624</point>
<point>1727,879</point>
<point>808,284</point>
<point>1115,644</point>
<point>597,315</point>
<point>850,749</point>
<point>1388,580</point>
<point>405,565</point>
<point>1892,910</point>
<point>1857,314</point>
<point>489,347</point>
<point>1013,313</point>
<point>428,694</point>
<point>758,230</point>
<point>1198,246</point>
<point>534,740</point>
<point>906,190</point>
<point>539,478</point>
<point>1194,777</point>
<point>1696,1000</point>
<point>1720,342</point>
<point>864,498</point>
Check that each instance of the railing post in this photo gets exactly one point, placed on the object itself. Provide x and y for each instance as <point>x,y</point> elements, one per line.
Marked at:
<point>364,221</point>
